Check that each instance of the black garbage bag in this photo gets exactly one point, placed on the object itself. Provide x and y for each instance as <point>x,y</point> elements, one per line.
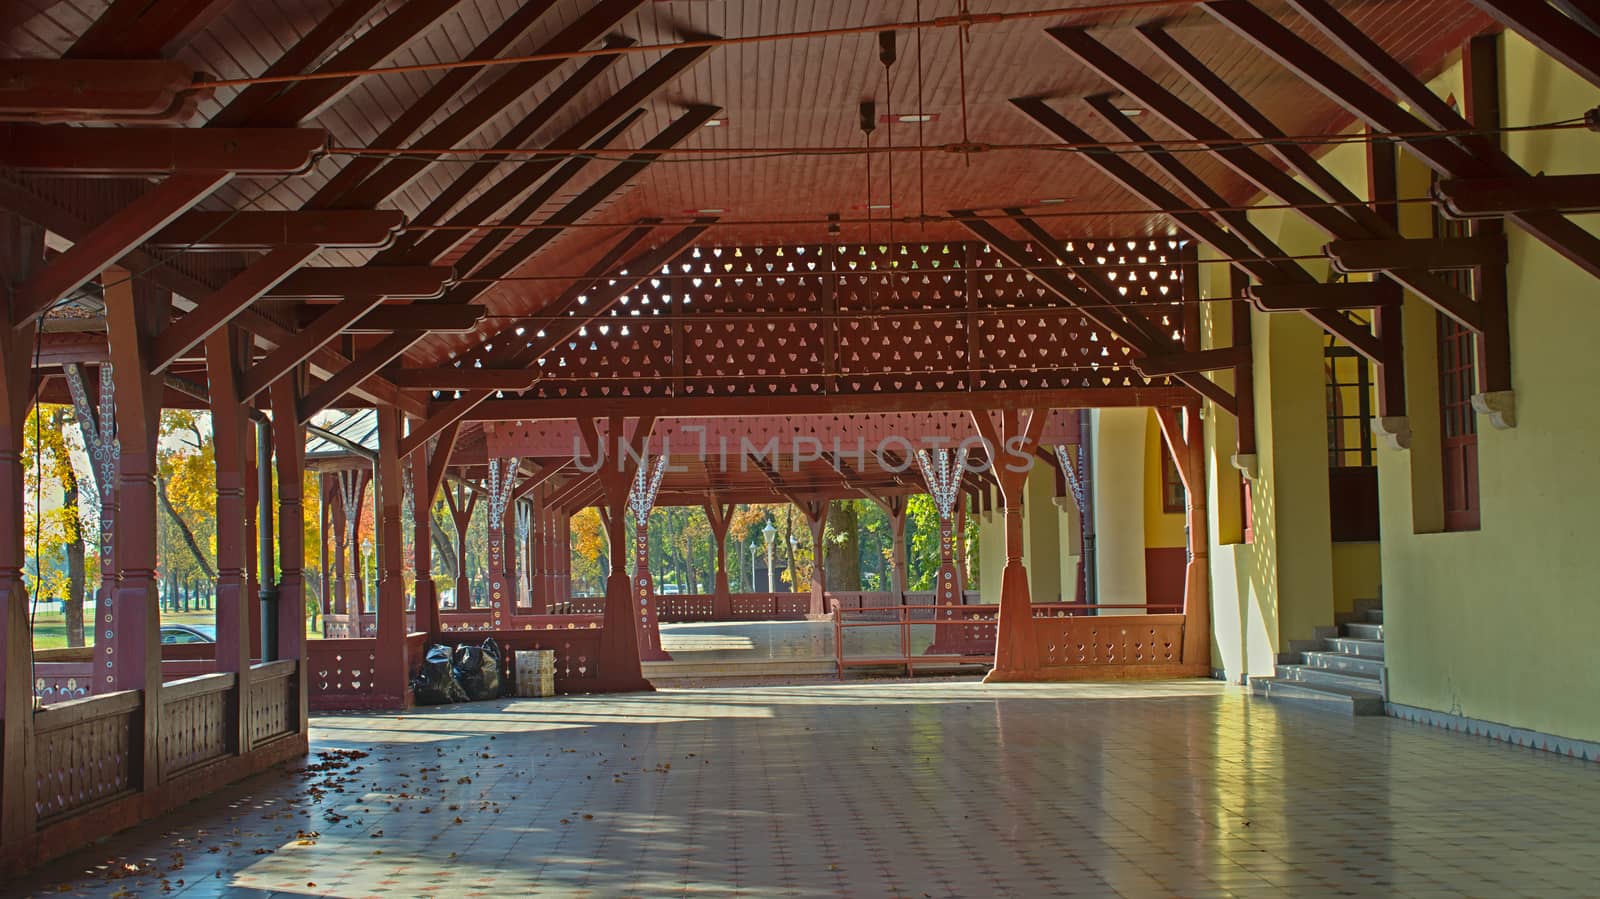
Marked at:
<point>478,670</point>
<point>436,681</point>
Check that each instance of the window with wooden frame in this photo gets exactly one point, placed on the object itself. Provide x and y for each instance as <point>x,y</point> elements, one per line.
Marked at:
<point>1349,386</point>
<point>1173,497</point>
<point>1458,378</point>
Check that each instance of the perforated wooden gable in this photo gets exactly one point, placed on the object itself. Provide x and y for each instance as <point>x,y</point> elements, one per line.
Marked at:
<point>855,319</point>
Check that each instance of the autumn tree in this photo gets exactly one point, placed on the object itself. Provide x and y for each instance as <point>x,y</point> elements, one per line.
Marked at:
<point>590,552</point>
<point>53,524</point>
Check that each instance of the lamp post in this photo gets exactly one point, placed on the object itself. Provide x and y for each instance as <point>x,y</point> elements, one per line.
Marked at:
<point>767,533</point>
<point>753,551</point>
<point>789,565</point>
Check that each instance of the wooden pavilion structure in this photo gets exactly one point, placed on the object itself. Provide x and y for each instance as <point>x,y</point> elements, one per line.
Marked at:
<point>546,245</point>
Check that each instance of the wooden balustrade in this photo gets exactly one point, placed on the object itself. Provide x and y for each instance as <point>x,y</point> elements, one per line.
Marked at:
<point>274,700</point>
<point>86,753</point>
<point>196,718</point>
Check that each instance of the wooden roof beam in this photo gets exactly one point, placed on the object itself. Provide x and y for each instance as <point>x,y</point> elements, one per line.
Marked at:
<point>591,129</point>
<point>65,90</point>
<point>460,407</point>
<point>612,181</point>
<point>248,229</point>
<point>831,404</point>
<point>490,238</point>
<point>1574,41</point>
<point>1241,240</point>
<point>143,29</point>
<point>391,317</point>
<point>1330,297</point>
<point>1195,361</point>
<point>466,180</point>
<point>185,287</point>
<point>1426,253</point>
<point>511,83</point>
<point>397,281</point>
<point>512,257</point>
<point>506,349</point>
<point>217,309</point>
<point>295,103</point>
<point>451,378</point>
<point>1126,327</point>
<point>328,326</point>
<point>1474,198</point>
<point>365,365</point>
<point>329,30</point>
<point>67,150</point>
<point>109,241</point>
<point>1469,158</point>
<point>1348,223</point>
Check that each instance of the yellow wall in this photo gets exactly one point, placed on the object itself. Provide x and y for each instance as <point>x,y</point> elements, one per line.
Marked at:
<point>1500,624</point>
<point>1041,539</point>
<point>1118,504</point>
<point>1161,529</point>
<point>991,553</point>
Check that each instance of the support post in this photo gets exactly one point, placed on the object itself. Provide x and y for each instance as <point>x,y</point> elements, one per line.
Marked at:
<point>392,664</point>
<point>290,599</point>
<point>641,499</point>
<point>21,252</point>
<point>719,516</point>
<point>1010,445</point>
<point>229,428</point>
<point>135,314</point>
<point>618,457</point>
<point>501,568</point>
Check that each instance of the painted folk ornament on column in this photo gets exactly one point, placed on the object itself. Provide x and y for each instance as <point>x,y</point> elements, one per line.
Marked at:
<point>499,583</point>
<point>524,515</point>
<point>641,499</point>
<point>942,471</point>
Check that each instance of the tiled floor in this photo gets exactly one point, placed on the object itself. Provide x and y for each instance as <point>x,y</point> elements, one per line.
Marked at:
<point>926,788</point>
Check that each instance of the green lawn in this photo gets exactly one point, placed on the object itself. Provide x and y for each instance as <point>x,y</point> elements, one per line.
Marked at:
<point>50,628</point>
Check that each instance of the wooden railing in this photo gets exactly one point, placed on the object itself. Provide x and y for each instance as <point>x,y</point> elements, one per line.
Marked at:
<point>197,721</point>
<point>1069,640</point>
<point>274,701</point>
<point>86,753</point>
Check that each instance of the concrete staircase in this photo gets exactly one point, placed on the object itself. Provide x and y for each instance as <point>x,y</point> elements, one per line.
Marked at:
<point>1344,675</point>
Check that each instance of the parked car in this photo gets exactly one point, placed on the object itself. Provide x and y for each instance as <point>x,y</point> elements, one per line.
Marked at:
<point>188,633</point>
<point>669,590</point>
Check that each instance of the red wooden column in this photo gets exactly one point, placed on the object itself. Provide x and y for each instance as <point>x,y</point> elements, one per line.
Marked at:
<point>1188,452</point>
<point>289,449</point>
<point>816,513</point>
<point>618,458</point>
<point>1010,443</point>
<point>21,251</point>
<point>719,516</point>
<point>641,499</point>
<point>230,428</point>
<point>131,656</point>
<point>392,664</point>
<point>501,567</point>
